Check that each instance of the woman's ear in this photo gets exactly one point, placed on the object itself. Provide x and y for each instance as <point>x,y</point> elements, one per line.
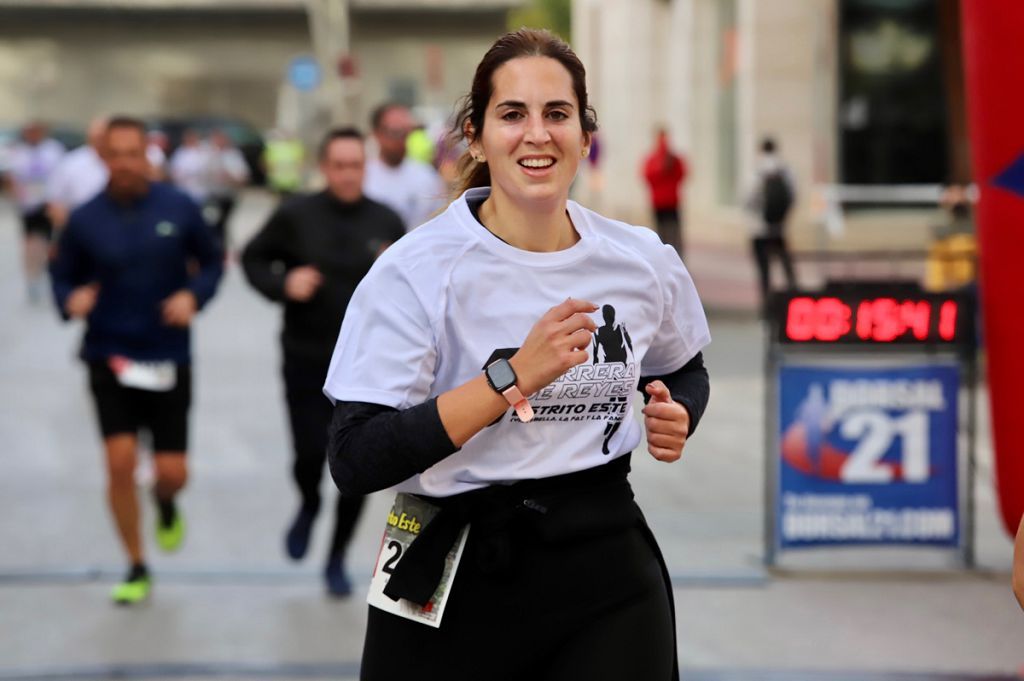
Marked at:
<point>469,132</point>
<point>588,137</point>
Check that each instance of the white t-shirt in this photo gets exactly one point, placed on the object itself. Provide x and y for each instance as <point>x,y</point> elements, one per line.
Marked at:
<point>156,157</point>
<point>413,189</point>
<point>190,171</point>
<point>31,166</point>
<point>444,301</point>
<point>227,170</point>
<point>81,175</point>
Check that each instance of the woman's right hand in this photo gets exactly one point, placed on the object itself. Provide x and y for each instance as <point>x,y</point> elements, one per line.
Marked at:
<point>556,343</point>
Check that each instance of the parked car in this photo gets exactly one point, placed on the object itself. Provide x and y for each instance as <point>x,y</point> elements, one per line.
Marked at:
<point>70,137</point>
<point>247,138</point>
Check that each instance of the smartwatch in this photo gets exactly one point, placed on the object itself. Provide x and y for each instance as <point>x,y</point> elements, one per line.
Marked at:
<point>502,377</point>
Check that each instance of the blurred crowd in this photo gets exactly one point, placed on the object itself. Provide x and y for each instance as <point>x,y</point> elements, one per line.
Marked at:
<point>132,228</point>
<point>47,173</point>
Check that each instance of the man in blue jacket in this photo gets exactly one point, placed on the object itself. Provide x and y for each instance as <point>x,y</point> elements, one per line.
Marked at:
<point>136,263</point>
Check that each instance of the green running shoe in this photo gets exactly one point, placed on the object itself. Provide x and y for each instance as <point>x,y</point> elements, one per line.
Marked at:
<point>134,589</point>
<point>170,537</point>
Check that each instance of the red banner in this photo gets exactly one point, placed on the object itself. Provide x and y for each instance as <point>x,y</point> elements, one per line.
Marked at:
<point>994,64</point>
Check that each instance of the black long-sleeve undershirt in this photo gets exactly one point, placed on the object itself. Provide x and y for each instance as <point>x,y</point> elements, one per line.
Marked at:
<point>373,447</point>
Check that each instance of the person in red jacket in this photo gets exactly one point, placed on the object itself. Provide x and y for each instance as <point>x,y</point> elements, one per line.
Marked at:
<point>665,172</point>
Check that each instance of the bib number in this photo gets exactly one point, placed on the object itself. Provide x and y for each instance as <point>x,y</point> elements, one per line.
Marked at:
<point>407,518</point>
<point>151,376</point>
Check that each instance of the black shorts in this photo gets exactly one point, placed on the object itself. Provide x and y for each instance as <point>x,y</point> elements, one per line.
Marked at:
<point>124,410</point>
<point>37,223</point>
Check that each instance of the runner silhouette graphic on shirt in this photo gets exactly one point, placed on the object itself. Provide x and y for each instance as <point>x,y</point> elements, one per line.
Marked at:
<point>612,340</point>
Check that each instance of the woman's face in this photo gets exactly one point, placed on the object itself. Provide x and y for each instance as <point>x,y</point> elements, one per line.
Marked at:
<point>532,138</point>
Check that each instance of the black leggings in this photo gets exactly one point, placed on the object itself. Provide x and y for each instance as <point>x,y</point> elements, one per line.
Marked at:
<point>595,609</point>
<point>669,227</point>
<point>767,248</point>
<point>309,412</point>
<point>225,205</point>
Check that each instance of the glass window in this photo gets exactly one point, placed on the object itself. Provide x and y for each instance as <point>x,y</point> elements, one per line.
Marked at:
<point>892,111</point>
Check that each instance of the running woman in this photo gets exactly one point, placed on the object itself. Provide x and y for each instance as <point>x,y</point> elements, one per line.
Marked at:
<point>463,377</point>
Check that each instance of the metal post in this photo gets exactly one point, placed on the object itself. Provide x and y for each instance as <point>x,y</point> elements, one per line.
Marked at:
<point>970,517</point>
<point>770,437</point>
<point>329,29</point>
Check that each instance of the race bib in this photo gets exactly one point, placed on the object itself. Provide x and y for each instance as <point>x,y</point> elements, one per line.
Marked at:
<point>152,376</point>
<point>407,518</point>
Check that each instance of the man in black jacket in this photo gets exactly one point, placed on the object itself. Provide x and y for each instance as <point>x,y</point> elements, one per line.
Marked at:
<point>310,255</point>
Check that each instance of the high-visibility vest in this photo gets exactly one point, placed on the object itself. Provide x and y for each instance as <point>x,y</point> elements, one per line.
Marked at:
<point>284,164</point>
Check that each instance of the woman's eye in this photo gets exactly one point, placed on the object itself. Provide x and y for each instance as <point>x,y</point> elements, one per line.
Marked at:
<point>511,116</point>
<point>558,115</point>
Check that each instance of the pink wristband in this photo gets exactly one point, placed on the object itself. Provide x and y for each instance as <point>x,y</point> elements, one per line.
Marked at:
<point>519,403</point>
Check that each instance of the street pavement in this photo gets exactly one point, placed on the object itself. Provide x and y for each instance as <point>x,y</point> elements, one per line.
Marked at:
<point>230,605</point>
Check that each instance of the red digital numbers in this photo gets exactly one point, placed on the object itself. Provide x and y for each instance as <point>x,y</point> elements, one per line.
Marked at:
<point>947,320</point>
<point>820,319</point>
<point>873,320</point>
<point>885,320</point>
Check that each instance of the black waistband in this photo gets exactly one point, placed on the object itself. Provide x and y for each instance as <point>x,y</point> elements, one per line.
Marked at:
<point>553,504</point>
<point>615,470</point>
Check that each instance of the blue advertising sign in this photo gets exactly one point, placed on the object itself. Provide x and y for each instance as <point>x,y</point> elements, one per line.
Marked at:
<point>304,73</point>
<point>867,456</point>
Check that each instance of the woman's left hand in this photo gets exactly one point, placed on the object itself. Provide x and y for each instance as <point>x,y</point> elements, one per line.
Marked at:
<point>667,423</point>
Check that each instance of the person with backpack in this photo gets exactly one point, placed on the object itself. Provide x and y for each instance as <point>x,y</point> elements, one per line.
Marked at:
<point>770,201</point>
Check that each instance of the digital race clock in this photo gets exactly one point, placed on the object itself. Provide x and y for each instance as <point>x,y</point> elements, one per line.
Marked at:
<point>872,316</point>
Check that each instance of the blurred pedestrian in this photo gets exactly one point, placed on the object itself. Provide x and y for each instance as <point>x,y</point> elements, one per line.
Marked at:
<point>769,201</point>
<point>157,146</point>
<point>227,172</point>
<point>33,159</point>
<point>79,177</point>
<point>463,375</point>
<point>953,252</point>
<point>665,171</point>
<point>135,263</point>
<point>411,188</point>
<point>310,255</point>
<point>190,167</point>
<point>419,146</point>
<point>447,152</point>
<point>284,158</point>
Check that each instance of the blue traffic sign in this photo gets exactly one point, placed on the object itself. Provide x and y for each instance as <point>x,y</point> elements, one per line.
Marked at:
<point>304,73</point>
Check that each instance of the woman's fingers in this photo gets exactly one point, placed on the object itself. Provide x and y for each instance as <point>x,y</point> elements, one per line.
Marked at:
<point>659,392</point>
<point>666,441</point>
<point>581,339</point>
<point>563,311</point>
<point>664,454</point>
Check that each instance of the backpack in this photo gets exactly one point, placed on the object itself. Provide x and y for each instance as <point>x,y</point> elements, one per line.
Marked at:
<point>778,198</point>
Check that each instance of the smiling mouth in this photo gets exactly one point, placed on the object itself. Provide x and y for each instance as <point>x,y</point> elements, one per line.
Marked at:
<point>537,162</point>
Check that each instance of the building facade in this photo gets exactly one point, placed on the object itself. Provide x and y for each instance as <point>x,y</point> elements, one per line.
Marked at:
<point>865,93</point>
<point>65,61</point>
